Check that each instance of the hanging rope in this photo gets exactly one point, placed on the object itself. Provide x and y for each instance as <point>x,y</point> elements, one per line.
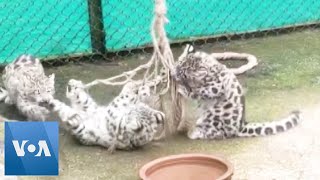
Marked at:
<point>162,57</point>
<point>162,54</point>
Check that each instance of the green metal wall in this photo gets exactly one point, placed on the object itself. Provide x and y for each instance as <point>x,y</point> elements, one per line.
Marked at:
<point>58,27</point>
<point>128,22</point>
<point>43,28</point>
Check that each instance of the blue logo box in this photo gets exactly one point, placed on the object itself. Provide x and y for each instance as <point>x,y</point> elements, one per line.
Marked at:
<point>31,148</point>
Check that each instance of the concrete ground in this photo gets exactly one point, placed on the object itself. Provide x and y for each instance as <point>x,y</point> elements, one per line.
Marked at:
<point>287,78</point>
<point>291,155</point>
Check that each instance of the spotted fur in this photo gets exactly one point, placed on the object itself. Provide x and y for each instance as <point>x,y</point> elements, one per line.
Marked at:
<point>25,85</point>
<point>221,99</point>
<point>126,123</point>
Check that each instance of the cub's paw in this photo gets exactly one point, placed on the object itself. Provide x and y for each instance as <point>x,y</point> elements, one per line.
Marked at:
<point>195,134</point>
<point>47,103</point>
<point>218,136</point>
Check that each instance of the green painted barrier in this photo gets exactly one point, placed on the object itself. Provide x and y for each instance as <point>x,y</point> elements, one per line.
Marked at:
<point>60,27</point>
<point>128,22</point>
<point>43,28</point>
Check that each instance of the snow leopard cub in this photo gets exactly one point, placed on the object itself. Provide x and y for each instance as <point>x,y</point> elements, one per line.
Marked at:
<point>25,85</point>
<point>220,96</point>
<point>126,123</point>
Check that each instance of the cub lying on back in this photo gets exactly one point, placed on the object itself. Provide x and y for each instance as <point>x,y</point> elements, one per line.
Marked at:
<point>126,123</point>
<point>25,85</point>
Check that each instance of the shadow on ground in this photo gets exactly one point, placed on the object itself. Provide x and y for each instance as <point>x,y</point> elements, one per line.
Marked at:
<point>286,79</point>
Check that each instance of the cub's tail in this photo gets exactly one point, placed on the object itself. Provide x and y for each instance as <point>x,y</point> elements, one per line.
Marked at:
<point>269,128</point>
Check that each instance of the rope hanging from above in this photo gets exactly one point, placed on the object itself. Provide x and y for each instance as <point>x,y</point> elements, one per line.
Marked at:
<point>162,57</point>
<point>161,54</point>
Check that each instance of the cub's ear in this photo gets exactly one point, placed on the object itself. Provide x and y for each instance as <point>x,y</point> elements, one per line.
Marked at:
<point>190,48</point>
<point>51,78</point>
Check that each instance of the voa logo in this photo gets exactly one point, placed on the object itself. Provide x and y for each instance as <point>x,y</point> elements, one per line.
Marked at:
<point>31,148</point>
<point>42,144</point>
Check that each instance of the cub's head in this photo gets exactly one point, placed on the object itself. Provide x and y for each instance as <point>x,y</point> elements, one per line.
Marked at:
<point>192,67</point>
<point>43,89</point>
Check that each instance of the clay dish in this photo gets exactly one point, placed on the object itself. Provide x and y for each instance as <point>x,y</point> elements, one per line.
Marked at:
<point>187,167</point>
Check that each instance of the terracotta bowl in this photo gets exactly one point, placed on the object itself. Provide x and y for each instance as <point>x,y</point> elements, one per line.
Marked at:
<point>187,167</point>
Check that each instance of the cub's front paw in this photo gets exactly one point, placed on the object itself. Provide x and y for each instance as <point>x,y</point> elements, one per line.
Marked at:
<point>46,103</point>
<point>195,134</point>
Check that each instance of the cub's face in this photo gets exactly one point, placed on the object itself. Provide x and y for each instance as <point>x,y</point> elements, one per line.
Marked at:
<point>191,68</point>
<point>43,90</point>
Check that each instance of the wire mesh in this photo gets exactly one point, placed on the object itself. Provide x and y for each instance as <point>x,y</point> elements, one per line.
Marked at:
<point>62,30</point>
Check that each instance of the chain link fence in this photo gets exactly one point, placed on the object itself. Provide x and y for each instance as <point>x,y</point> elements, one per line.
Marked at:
<point>63,30</point>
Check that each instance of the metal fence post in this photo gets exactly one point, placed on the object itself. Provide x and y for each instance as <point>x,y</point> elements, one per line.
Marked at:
<point>97,32</point>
